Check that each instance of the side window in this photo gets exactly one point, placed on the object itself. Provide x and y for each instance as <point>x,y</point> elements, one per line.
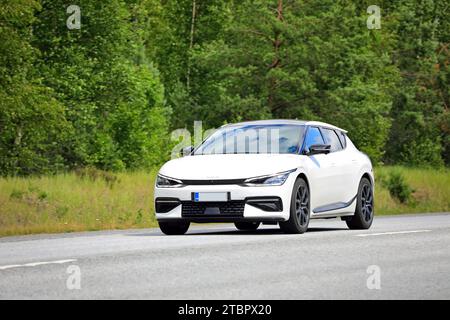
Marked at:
<point>313,137</point>
<point>343,139</point>
<point>332,138</point>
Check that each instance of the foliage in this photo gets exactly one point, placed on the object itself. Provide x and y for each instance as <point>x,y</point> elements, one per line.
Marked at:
<point>431,190</point>
<point>297,60</point>
<point>398,188</point>
<point>114,97</point>
<point>419,135</point>
<point>106,95</point>
<point>95,174</point>
<point>32,123</point>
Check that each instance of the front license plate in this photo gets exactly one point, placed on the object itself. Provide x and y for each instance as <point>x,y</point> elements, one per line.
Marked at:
<point>210,196</point>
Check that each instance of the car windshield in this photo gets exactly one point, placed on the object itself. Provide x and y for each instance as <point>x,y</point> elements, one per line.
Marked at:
<point>253,139</point>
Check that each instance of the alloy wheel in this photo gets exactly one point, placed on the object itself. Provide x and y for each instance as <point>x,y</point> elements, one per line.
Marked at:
<point>367,202</point>
<point>302,205</point>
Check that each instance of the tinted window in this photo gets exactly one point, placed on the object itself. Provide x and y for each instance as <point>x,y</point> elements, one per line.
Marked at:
<point>342,138</point>
<point>253,139</point>
<point>332,139</point>
<point>313,137</point>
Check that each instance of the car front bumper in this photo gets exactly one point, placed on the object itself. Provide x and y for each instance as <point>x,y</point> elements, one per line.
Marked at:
<point>262,203</point>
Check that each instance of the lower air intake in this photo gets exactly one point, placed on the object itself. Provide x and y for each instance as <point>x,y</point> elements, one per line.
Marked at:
<point>205,209</point>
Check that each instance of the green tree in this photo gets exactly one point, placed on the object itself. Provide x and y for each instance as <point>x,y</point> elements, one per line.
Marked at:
<point>177,27</point>
<point>295,59</point>
<point>33,128</point>
<point>420,109</point>
<point>112,92</point>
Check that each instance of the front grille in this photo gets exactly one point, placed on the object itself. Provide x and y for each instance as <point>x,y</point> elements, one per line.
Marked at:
<point>207,209</point>
<point>212,182</point>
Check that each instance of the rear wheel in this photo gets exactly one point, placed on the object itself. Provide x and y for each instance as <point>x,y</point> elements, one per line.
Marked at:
<point>174,228</point>
<point>300,209</point>
<point>247,226</point>
<point>364,212</point>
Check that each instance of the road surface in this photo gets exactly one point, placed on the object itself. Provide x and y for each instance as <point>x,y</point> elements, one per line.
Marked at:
<point>400,257</point>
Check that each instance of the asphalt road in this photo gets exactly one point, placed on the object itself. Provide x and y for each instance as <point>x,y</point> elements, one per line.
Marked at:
<point>409,255</point>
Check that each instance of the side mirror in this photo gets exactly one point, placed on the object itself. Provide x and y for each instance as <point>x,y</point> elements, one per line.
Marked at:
<point>318,149</point>
<point>186,151</point>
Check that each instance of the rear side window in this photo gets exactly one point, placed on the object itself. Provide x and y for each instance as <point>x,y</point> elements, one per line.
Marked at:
<point>313,137</point>
<point>343,139</point>
<point>332,139</point>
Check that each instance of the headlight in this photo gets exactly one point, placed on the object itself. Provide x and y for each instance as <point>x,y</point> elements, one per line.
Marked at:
<point>166,182</point>
<point>270,180</point>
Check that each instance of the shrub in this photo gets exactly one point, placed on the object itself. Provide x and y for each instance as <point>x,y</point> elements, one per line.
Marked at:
<point>398,187</point>
<point>17,194</point>
<point>95,174</point>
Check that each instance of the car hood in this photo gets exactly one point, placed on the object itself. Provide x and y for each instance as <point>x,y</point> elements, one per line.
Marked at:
<point>229,166</point>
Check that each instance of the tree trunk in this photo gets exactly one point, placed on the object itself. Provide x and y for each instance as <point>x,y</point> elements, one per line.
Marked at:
<point>276,62</point>
<point>191,42</point>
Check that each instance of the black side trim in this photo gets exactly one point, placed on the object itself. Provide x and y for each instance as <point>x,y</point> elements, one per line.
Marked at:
<point>334,206</point>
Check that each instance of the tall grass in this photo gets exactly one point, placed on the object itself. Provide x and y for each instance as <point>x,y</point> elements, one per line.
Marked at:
<point>94,200</point>
<point>73,202</point>
<point>431,190</point>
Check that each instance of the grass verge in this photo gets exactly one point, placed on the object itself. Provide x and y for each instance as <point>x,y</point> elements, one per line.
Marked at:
<point>431,190</point>
<point>94,200</point>
<point>76,202</point>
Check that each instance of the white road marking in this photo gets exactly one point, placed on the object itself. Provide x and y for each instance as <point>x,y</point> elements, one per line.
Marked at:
<point>390,233</point>
<point>35,264</point>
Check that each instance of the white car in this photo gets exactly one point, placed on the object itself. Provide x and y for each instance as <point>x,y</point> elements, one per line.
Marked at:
<point>282,172</point>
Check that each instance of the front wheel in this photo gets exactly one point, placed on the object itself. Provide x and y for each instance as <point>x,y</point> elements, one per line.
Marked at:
<point>174,228</point>
<point>247,226</point>
<point>364,212</point>
<point>300,209</point>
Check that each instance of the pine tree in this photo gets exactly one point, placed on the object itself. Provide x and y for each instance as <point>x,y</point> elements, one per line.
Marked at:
<point>420,105</point>
<point>291,59</point>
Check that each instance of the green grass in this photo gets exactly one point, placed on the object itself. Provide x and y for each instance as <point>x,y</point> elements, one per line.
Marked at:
<point>70,202</point>
<point>96,200</point>
<point>431,191</point>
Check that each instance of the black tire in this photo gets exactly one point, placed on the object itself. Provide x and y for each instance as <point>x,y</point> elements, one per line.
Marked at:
<point>247,226</point>
<point>174,228</point>
<point>300,209</point>
<point>364,212</point>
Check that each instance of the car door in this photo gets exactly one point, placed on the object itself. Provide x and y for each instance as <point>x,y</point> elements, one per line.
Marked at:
<point>320,170</point>
<point>342,166</point>
<point>354,163</point>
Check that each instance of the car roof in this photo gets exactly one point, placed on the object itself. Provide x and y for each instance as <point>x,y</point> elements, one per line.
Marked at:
<point>291,122</point>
